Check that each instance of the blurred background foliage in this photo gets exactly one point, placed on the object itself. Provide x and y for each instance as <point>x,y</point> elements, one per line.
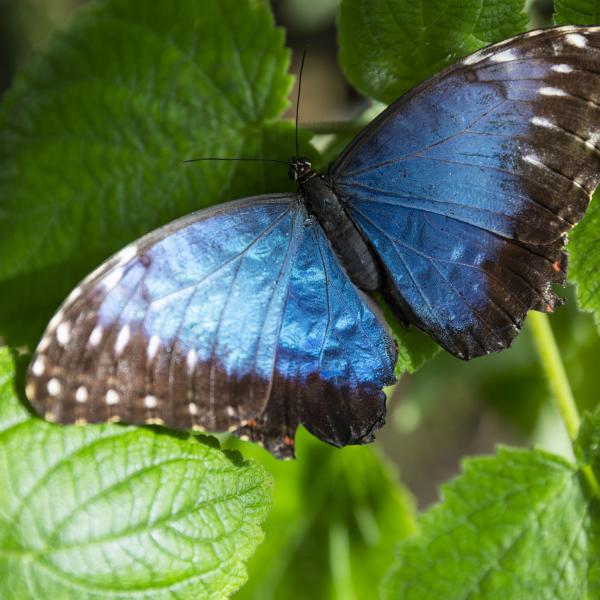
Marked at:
<point>332,505</point>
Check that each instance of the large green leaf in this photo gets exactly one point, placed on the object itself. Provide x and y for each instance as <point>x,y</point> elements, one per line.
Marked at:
<point>117,512</point>
<point>93,134</point>
<point>388,47</point>
<point>517,525</point>
<point>337,516</point>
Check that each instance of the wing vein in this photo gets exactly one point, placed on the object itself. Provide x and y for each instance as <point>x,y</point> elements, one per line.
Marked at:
<point>232,258</point>
<point>418,153</point>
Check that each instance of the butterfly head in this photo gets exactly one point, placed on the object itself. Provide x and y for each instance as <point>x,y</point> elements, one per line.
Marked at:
<point>300,169</point>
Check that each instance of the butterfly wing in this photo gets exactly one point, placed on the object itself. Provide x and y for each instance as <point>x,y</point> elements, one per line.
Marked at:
<point>235,318</point>
<point>467,185</point>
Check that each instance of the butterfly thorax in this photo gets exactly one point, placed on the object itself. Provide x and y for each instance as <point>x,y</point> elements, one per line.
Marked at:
<point>348,243</point>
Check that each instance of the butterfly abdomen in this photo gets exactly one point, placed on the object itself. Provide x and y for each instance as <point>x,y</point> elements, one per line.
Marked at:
<point>348,243</point>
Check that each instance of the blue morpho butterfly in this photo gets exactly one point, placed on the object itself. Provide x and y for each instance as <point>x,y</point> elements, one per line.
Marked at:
<point>254,316</point>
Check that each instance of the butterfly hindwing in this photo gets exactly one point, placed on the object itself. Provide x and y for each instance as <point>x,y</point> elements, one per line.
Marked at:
<point>236,318</point>
<point>467,185</point>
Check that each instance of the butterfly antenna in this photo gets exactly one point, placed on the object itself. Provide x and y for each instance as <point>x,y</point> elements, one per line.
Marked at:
<point>298,100</point>
<point>271,160</point>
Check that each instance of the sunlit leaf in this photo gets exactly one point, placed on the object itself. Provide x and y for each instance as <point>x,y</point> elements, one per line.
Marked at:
<point>388,47</point>
<point>518,525</point>
<point>119,512</point>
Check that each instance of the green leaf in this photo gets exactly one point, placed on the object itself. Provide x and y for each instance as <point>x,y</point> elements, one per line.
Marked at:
<point>336,519</point>
<point>576,12</point>
<point>414,348</point>
<point>587,445</point>
<point>584,257</point>
<point>517,525</point>
<point>118,512</point>
<point>388,47</point>
<point>94,132</point>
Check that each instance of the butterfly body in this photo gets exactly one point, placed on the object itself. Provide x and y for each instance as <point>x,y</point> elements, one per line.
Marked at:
<point>254,316</point>
<point>350,247</point>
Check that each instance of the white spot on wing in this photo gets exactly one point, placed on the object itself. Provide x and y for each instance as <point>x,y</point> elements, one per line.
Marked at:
<point>576,39</point>
<point>56,319</point>
<point>122,339</point>
<point>39,366</point>
<point>150,401</point>
<point>43,345</point>
<point>474,58</point>
<point>153,346</point>
<point>127,254</point>
<point>112,397</point>
<point>54,387</point>
<point>74,294</point>
<point>505,56</point>
<point>562,68</point>
<point>551,91</point>
<point>63,333</point>
<point>112,279</point>
<point>543,122</point>
<point>593,141</point>
<point>533,160</point>
<point>81,394</point>
<point>96,335</point>
<point>192,360</point>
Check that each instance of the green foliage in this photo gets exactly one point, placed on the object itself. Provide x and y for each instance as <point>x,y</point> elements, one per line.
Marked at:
<point>93,134</point>
<point>91,142</point>
<point>584,250</point>
<point>517,525</point>
<point>388,47</point>
<point>111,511</point>
<point>414,348</point>
<point>336,519</point>
<point>587,446</point>
<point>577,12</point>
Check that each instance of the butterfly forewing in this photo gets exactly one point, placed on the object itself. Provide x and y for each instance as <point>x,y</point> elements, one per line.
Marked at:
<point>237,318</point>
<point>467,185</point>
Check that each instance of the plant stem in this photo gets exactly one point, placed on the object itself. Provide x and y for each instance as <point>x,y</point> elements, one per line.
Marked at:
<point>555,371</point>
<point>553,366</point>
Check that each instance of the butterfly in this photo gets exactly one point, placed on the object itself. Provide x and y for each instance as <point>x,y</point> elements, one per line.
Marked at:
<point>256,316</point>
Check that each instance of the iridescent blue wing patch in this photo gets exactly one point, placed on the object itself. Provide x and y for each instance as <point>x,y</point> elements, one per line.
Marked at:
<point>235,318</point>
<point>467,185</point>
